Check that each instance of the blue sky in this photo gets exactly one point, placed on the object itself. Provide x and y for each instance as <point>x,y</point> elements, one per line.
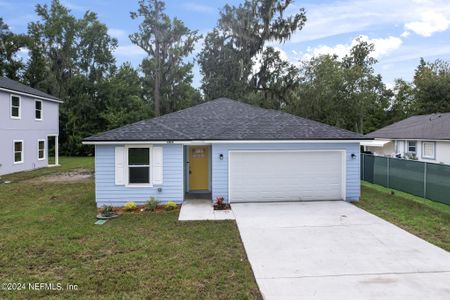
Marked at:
<point>402,30</point>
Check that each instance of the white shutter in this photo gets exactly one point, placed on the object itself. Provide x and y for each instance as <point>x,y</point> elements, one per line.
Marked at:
<point>120,165</point>
<point>157,163</point>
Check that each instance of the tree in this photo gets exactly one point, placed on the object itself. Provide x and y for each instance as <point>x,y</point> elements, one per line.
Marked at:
<point>344,93</point>
<point>125,103</point>
<point>432,86</point>
<point>10,44</point>
<point>227,57</point>
<point>403,104</point>
<point>167,43</point>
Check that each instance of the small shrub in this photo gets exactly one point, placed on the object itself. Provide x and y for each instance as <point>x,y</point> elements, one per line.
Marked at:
<point>170,205</point>
<point>107,211</point>
<point>129,206</point>
<point>220,203</point>
<point>151,204</point>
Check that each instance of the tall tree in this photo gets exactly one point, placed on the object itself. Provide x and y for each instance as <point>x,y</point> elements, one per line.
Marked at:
<point>242,32</point>
<point>167,43</point>
<point>11,65</point>
<point>432,86</point>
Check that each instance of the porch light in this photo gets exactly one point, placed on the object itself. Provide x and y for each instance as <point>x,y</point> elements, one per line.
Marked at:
<point>221,156</point>
<point>353,156</point>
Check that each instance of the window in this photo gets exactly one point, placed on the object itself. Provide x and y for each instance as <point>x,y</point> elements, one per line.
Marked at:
<point>412,146</point>
<point>138,165</point>
<point>41,149</point>
<point>38,110</point>
<point>15,107</point>
<point>428,150</point>
<point>18,152</point>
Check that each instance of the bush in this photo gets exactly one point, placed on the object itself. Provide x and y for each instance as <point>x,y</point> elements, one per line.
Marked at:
<point>129,206</point>
<point>151,204</point>
<point>170,205</point>
<point>107,211</point>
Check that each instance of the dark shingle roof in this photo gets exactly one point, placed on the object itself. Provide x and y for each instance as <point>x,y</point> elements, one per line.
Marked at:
<point>433,127</point>
<point>225,119</point>
<point>10,84</point>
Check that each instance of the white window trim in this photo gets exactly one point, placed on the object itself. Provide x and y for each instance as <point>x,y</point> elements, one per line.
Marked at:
<point>434,150</point>
<point>21,152</point>
<point>40,140</point>
<point>127,167</point>
<point>42,109</point>
<point>407,147</point>
<point>11,107</point>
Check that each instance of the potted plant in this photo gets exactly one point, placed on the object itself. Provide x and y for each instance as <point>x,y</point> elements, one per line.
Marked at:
<point>107,212</point>
<point>220,204</point>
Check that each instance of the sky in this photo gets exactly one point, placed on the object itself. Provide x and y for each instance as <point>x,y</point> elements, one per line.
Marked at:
<point>402,31</point>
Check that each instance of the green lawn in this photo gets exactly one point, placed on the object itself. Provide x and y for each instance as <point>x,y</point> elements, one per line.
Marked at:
<point>48,235</point>
<point>424,218</point>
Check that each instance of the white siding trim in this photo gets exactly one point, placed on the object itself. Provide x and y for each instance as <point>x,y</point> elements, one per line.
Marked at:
<point>207,142</point>
<point>29,95</point>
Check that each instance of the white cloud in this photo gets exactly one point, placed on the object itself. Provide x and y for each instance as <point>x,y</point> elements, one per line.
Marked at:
<point>430,22</point>
<point>130,51</point>
<point>382,47</point>
<point>196,7</point>
<point>117,33</point>
<point>355,16</point>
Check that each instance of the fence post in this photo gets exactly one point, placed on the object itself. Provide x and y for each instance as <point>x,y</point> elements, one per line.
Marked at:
<point>425,180</point>
<point>388,172</point>
<point>363,165</point>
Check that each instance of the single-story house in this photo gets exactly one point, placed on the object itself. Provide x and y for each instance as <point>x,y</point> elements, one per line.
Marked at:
<point>425,138</point>
<point>229,149</point>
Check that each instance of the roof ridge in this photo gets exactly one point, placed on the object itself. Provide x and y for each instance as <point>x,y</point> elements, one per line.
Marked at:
<point>171,129</point>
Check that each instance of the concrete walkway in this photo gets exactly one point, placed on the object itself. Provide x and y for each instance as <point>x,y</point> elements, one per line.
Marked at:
<point>334,250</point>
<point>200,210</point>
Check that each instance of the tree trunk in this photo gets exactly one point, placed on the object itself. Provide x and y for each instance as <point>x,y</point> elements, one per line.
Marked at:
<point>156,90</point>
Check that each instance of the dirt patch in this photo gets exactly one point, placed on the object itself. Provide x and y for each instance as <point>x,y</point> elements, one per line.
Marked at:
<point>76,175</point>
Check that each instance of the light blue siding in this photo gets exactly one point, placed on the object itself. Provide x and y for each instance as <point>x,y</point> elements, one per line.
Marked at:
<point>220,167</point>
<point>107,192</point>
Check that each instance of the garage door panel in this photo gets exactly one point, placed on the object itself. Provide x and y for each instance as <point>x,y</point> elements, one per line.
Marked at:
<point>285,176</point>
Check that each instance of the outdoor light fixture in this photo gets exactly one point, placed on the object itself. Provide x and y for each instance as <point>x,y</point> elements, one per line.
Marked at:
<point>159,190</point>
<point>221,156</point>
<point>353,156</point>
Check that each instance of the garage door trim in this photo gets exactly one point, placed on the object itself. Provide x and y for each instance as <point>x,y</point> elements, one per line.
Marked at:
<point>343,165</point>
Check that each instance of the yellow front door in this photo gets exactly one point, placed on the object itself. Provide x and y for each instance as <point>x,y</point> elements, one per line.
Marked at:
<point>198,168</point>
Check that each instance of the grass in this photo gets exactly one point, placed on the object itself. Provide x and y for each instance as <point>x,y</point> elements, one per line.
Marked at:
<point>427,219</point>
<point>48,235</point>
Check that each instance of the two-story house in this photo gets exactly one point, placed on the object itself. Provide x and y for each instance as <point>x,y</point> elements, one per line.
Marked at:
<point>29,127</point>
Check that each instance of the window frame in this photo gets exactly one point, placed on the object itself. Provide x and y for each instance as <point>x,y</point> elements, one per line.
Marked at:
<point>434,150</point>
<point>11,107</point>
<point>150,166</point>
<point>415,147</point>
<point>22,156</point>
<point>41,110</point>
<point>43,150</point>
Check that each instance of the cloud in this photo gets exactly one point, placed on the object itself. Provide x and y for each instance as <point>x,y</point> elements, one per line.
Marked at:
<point>430,22</point>
<point>200,8</point>
<point>355,16</point>
<point>117,33</point>
<point>129,51</point>
<point>382,47</point>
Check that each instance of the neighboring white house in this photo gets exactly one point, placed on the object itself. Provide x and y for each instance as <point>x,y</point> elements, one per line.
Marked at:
<point>29,123</point>
<point>425,138</point>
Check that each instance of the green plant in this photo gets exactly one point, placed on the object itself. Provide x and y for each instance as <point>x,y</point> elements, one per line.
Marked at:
<point>129,206</point>
<point>170,205</point>
<point>151,204</point>
<point>107,211</point>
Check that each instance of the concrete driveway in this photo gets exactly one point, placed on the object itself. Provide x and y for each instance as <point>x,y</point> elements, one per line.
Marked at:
<point>334,250</point>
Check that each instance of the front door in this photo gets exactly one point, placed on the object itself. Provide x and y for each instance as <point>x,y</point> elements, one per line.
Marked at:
<point>198,168</point>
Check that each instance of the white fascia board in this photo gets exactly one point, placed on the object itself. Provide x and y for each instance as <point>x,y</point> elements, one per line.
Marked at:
<point>200,142</point>
<point>30,95</point>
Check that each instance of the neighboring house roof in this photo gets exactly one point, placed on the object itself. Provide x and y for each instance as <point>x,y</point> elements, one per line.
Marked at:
<point>226,119</point>
<point>429,127</point>
<point>12,85</point>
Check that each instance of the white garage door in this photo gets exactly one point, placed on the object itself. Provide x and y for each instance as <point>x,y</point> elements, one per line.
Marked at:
<point>286,176</point>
